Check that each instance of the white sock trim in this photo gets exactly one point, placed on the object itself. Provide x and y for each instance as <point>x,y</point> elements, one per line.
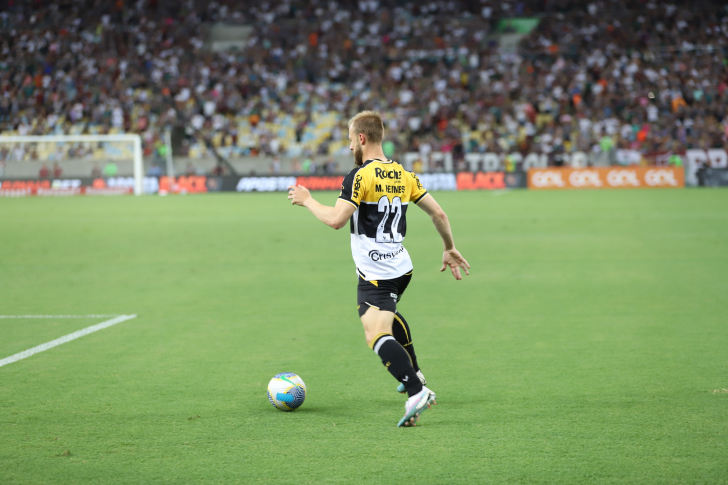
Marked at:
<point>381,341</point>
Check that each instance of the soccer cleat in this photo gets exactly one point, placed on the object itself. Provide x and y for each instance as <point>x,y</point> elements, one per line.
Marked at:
<point>415,405</point>
<point>402,390</point>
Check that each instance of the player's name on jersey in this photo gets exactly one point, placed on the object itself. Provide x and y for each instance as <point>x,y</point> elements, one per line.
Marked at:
<point>390,189</point>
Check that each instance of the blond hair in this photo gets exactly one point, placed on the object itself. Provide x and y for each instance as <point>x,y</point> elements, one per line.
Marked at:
<point>369,123</point>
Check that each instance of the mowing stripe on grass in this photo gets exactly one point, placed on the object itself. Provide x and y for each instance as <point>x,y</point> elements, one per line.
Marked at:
<point>65,338</point>
<point>57,316</point>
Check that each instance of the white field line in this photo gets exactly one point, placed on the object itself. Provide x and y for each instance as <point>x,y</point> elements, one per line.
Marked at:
<point>65,338</point>
<point>57,316</point>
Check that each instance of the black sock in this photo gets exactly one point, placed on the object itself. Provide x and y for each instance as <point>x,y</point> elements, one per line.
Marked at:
<point>401,332</point>
<point>397,361</point>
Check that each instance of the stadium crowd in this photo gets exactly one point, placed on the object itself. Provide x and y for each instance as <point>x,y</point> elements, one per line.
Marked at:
<point>591,76</point>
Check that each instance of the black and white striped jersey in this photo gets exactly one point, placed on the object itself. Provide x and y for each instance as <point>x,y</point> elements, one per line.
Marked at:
<point>381,191</point>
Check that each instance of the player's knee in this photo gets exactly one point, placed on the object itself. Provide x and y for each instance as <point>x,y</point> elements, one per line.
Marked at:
<point>375,323</point>
<point>372,335</point>
<point>371,332</point>
<point>368,336</point>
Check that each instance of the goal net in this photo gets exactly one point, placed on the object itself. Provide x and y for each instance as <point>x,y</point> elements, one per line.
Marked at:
<point>71,165</point>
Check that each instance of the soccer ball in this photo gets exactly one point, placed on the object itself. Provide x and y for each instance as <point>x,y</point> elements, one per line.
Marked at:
<point>286,391</point>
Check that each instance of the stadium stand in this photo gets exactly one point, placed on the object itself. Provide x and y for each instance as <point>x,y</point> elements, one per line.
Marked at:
<point>590,76</point>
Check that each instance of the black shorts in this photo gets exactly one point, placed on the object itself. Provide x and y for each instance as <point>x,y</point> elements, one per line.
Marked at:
<point>381,294</point>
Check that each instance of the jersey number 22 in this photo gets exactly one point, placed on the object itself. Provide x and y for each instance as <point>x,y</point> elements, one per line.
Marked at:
<point>385,208</point>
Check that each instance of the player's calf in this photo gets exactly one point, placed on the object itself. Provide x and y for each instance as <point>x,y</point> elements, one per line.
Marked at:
<point>402,333</point>
<point>397,362</point>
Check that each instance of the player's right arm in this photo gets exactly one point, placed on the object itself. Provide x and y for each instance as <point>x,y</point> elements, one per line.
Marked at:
<point>352,191</point>
<point>335,217</point>
<point>451,257</point>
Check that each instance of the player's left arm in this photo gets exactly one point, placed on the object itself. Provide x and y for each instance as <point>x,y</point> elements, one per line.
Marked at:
<point>335,217</point>
<point>451,257</point>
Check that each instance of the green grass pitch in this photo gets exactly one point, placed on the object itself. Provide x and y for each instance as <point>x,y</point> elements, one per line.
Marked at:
<point>588,345</point>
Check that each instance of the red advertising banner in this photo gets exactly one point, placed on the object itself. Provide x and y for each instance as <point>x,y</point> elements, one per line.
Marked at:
<point>330,182</point>
<point>490,180</point>
<point>481,181</point>
<point>60,187</point>
<point>192,184</point>
<point>606,178</point>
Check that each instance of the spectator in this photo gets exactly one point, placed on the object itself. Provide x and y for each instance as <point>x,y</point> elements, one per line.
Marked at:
<point>388,148</point>
<point>57,171</point>
<point>296,166</point>
<point>417,166</point>
<point>218,170</point>
<point>331,167</point>
<point>155,170</point>
<point>642,73</point>
<point>44,173</point>
<point>110,170</point>
<point>96,171</point>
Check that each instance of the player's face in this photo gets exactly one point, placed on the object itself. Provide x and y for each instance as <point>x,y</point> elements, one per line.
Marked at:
<point>355,146</point>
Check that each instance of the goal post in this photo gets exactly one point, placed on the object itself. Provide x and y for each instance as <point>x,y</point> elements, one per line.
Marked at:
<point>135,140</point>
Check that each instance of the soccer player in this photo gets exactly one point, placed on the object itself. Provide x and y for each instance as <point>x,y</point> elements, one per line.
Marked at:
<point>374,199</point>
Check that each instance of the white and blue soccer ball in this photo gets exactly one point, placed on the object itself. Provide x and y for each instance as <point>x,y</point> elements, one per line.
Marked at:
<point>286,391</point>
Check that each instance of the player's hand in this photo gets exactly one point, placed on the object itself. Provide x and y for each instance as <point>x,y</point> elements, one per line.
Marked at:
<point>298,195</point>
<point>455,261</point>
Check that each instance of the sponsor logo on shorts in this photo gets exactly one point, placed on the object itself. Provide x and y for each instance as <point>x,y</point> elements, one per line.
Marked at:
<point>379,256</point>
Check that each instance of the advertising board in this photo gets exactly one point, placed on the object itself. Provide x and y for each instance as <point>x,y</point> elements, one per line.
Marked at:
<point>64,187</point>
<point>490,180</point>
<point>713,177</point>
<point>606,178</point>
<point>535,178</point>
<point>431,181</point>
